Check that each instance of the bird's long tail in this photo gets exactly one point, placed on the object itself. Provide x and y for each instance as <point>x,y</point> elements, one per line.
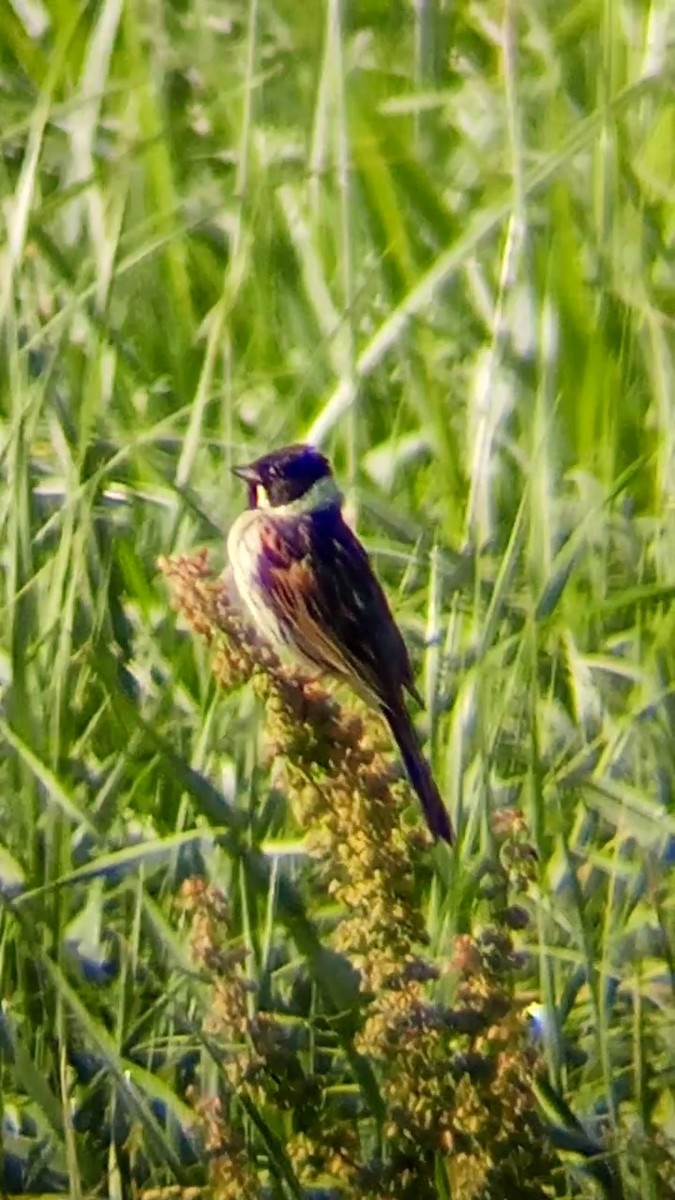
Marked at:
<point>419,773</point>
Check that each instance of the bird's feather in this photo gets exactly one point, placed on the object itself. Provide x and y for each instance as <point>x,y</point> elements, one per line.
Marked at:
<point>318,578</point>
<point>309,585</point>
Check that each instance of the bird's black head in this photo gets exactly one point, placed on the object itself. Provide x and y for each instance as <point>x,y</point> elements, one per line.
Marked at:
<point>287,477</point>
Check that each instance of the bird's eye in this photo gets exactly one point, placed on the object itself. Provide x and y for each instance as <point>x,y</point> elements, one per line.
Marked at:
<point>261,497</point>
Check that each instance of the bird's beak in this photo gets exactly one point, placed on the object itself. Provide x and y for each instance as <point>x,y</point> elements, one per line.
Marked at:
<point>248,473</point>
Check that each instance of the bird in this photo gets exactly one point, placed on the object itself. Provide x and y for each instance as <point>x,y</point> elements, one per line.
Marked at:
<point>307,584</point>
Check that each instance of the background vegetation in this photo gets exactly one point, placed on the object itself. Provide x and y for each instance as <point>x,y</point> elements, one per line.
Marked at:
<point>439,239</point>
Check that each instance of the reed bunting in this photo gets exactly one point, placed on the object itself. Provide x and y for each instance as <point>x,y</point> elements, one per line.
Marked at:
<point>309,588</point>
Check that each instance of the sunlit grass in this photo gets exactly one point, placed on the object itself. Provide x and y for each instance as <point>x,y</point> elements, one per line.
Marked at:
<point>437,239</point>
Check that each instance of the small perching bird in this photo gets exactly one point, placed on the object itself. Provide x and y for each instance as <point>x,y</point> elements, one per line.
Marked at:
<point>310,590</point>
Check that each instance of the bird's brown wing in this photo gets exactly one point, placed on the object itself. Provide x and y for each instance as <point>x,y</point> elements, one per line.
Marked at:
<point>318,578</point>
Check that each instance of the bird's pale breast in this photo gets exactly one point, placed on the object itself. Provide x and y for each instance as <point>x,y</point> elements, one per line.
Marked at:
<point>244,548</point>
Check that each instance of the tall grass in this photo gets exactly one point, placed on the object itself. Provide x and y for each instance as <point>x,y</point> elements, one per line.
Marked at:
<point>438,240</point>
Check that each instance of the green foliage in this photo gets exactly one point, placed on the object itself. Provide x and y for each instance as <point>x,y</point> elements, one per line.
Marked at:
<point>437,238</point>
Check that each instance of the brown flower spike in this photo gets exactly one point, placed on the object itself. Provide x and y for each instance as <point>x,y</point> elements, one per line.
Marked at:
<point>456,1079</point>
